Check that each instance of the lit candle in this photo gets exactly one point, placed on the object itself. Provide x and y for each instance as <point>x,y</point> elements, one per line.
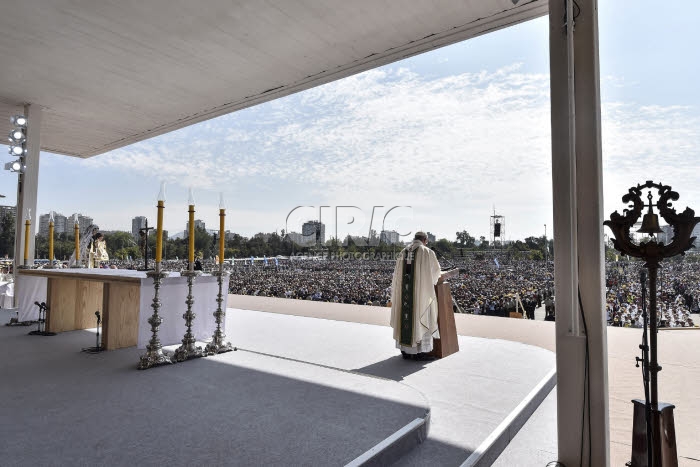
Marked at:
<point>51,239</point>
<point>159,227</point>
<point>76,229</point>
<point>222,218</point>
<point>190,229</point>
<point>27,224</point>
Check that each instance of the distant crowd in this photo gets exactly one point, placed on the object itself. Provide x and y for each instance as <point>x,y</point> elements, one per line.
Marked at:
<point>482,287</point>
<point>496,287</point>
<point>678,288</point>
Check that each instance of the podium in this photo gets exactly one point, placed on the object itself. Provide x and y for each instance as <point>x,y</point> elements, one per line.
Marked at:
<point>447,344</point>
<point>663,426</point>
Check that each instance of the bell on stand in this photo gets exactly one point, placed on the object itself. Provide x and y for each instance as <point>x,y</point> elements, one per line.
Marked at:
<point>653,434</point>
<point>650,222</point>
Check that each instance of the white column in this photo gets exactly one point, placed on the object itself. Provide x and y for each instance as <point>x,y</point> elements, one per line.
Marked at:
<point>28,184</point>
<point>578,234</point>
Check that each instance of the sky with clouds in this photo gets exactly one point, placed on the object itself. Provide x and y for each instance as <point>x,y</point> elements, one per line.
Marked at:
<point>451,133</point>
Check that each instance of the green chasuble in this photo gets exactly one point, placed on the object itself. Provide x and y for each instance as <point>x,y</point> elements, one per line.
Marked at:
<point>407,283</point>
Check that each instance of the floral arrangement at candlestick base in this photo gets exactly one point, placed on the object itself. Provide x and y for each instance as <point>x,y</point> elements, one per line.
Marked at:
<point>651,417</point>
<point>218,344</point>
<point>188,349</point>
<point>154,355</point>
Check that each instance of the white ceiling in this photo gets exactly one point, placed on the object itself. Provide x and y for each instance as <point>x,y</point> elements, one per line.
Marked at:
<point>112,72</point>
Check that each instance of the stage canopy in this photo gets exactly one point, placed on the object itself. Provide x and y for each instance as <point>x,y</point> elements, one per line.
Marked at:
<point>109,74</point>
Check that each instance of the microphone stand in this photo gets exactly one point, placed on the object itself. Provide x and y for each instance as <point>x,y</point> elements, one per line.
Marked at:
<point>450,263</point>
<point>98,347</point>
<point>644,346</point>
<point>41,321</point>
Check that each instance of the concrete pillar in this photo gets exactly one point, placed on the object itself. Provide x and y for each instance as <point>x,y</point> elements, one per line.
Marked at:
<point>578,234</point>
<point>28,184</point>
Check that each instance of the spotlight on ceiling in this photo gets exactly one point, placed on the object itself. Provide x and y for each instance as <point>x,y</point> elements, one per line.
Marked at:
<point>19,120</point>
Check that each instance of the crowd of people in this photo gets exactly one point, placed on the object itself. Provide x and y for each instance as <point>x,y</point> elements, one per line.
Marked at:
<point>482,287</point>
<point>678,287</point>
<point>488,286</point>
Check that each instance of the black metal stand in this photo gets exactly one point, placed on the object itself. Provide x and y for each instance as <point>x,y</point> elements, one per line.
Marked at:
<point>41,322</point>
<point>653,434</point>
<point>644,346</point>
<point>98,347</point>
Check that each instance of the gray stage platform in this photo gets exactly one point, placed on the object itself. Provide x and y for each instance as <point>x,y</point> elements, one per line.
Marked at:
<point>304,391</point>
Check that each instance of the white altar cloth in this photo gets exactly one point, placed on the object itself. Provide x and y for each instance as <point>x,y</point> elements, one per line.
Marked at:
<point>7,294</point>
<point>29,289</point>
<point>173,293</point>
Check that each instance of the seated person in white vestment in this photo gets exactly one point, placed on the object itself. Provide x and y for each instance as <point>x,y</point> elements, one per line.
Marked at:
<point>98,250</point>
<point>414,308</point>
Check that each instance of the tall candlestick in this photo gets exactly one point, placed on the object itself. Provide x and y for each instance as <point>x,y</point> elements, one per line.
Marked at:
<point>190,228</point>
<point>76,229</point>
<point>51,226</point>
<point>27,224</point>
<point>222,219</point>
<point>159,227</point>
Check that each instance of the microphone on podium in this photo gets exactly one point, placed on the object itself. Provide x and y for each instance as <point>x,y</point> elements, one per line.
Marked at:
<point>449,263</point>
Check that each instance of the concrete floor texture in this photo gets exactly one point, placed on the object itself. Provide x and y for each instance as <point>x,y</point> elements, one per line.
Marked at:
<point>318,384</point>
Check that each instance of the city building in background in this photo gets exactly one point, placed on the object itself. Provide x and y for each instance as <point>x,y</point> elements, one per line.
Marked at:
<point>314,231</point>
<point>61,224</point>
<point>389,237</point>
<point>8,210</point>
<point>137,223</point>
<point>198,224</point>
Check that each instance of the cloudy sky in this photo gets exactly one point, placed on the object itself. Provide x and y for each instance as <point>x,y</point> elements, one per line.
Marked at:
<point>452,133</point>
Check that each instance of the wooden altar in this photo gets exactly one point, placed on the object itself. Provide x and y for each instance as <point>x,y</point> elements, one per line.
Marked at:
<point>73,296</point>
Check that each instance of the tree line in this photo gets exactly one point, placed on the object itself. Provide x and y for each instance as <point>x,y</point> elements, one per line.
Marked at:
<point>122,245</point>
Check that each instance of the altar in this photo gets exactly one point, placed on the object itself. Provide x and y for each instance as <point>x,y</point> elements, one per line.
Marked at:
<point>124,299</point>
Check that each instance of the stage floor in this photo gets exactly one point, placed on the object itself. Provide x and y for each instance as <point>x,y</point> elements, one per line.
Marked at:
<point>300,391</point>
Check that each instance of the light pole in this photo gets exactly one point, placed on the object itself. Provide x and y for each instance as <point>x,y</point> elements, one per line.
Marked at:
<point>546,245</point>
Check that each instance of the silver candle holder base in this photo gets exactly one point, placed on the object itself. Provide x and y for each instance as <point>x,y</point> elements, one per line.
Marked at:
<point>218,344</point>
<point>188,349</point>
<point>154,355</point>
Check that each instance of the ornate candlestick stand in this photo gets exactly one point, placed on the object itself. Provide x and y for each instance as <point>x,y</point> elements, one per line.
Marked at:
<point>217,345</point>
<point>188,349</point>
<point>154,355</point>
<point>660,450</point>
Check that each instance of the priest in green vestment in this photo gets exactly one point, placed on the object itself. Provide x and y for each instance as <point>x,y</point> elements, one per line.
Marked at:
<point>414,307</point>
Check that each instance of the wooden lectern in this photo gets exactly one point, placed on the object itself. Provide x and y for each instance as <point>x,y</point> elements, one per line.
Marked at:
<point>447,344</point>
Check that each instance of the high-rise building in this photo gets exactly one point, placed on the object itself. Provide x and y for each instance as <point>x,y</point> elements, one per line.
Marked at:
<point>7,210</point>
<point>431,237</point>
<point>389,237</point>
<point>138,222</point>
<point>198,224</point>
<point>44,225</point>
<point>11,210</point>
<point>314,232</point>
<point>300,240</point>
<point>60,223</point>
